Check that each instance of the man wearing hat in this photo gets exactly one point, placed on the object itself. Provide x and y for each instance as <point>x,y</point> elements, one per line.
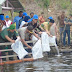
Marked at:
<point>7,34</point>
<point>25,21</point>
<point>22,19</point>
<point>25,34</point>
<point>8,22</point>
<point>46,26</point>
<point>2,20</point>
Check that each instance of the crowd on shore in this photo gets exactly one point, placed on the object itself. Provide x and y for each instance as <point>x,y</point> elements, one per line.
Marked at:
<point>24,26</point>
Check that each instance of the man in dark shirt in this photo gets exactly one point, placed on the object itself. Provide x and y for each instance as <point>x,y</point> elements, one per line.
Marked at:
<point>34,23</point>
<point>61,25</point>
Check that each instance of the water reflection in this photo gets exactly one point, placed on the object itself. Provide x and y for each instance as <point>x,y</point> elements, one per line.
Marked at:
<point>47,64</point>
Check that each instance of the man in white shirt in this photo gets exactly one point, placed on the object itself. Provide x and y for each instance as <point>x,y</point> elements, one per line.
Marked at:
<point>8,22</point>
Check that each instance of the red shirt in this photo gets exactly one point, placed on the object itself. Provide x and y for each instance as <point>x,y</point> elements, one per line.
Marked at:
<point>41,19</point>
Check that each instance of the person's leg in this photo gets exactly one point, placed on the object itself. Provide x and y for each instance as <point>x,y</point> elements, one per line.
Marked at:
<point>61,38</point>
<point>68,34</point>
<point>64,36</point>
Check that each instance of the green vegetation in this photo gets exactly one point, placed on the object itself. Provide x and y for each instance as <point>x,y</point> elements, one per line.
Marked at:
<point>65,4</point>
<point>43,3</point>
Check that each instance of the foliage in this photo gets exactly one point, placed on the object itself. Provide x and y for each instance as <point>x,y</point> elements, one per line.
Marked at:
<point>43,3</point>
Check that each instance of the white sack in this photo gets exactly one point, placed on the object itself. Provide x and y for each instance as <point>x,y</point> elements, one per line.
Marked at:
<point>52,41</point>
<point>45,42</point>
<point>34,39</point>
<point>4,27</point>
<point>37,50</point>
<point>22,23</point>
<point>19,49</point>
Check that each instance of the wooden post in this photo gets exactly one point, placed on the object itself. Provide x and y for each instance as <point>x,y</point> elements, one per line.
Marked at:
<point>0,9</point>
<point>12,14</point>
<point>7,59</point>
<point>7,3</point>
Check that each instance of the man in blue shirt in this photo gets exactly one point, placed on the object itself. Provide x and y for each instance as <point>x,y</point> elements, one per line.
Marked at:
<point>68,23</point>
<point>17,18</point>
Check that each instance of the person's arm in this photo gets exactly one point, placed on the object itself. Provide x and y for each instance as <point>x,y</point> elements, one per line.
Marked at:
<point>9,39</point>
<point>45,26</point>
<point>36,35</point>
<point>65,22</point>
<point>24,42</point>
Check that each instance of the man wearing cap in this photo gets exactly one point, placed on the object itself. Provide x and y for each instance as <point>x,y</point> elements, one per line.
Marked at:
<point>2,20</point>
<point>8,22</point>
<point>24,33</point>
<point>25,21</point>
<point>33,22</point>
<point>23,16</point>
<point>17,18</point>
<point>46,26</point>
<point>7,34</point>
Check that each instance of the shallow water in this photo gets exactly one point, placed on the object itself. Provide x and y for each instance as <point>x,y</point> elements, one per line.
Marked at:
<point>49,63</point>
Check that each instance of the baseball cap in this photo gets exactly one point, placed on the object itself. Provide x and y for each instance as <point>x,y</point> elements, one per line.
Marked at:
<point>7,16</point>
<point>12,26</point>
<point>35,16</point>
<point>50,17</point>
<point>24,14</point>
<point>2,16</point>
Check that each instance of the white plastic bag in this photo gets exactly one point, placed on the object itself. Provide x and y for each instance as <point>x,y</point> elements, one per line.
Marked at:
<point>45,42</point>
<point>4,27</point>
<point>37,50</point>
<point>22,23</point>
<point>19,49</point>
<point>52,41</point>
<point>34,39</point>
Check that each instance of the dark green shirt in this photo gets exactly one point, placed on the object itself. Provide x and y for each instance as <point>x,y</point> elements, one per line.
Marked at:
<point>6,32</point>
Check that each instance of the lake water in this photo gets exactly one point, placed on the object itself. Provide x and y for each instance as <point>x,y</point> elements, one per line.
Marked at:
<point>49,63</point>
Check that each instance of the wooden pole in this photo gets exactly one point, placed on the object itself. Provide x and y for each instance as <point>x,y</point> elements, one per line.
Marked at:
<point>0,9</point>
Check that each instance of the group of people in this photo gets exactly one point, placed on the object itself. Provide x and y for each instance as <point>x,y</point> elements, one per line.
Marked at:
<point>64,28</point>
<point>24,26</point>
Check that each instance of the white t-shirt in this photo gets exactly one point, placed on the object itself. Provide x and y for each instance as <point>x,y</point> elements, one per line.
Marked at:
<point>22,23</point>
<point>8,23</point>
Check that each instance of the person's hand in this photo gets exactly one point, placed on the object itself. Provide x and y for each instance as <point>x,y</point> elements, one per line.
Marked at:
<point>30,47</point>
<point>40,32</point>
<point>13,41</point>
<point>51,36</point>
<point>26,23</point>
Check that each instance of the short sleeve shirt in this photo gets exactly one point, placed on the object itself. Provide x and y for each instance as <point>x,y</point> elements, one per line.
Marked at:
<point>6,32</point>
<point>45,26</point>
<point>41,19</point>
<point>67,26</point>
<point>23,34</point>
<point>16,19</point>
<point>31,23</point>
